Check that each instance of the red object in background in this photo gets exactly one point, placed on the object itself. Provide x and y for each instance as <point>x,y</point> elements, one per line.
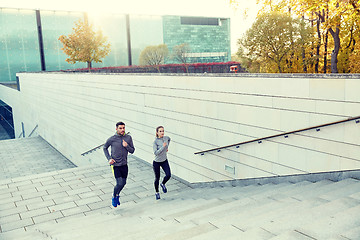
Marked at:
<point>234,68</point>
<point>213,67</point>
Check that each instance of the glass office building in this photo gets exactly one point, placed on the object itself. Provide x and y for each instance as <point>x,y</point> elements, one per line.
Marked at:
<point>29,39</point>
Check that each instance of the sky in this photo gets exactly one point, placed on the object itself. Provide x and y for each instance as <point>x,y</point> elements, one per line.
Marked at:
<point>207,8</point>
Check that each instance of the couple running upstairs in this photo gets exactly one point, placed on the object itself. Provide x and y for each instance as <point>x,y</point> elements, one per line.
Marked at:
<point>121,144</point>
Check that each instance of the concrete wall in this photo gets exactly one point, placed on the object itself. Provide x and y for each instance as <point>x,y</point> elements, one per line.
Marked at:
<point>77,112</point>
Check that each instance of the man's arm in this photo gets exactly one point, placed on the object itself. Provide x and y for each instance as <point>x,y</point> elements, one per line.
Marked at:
<point>105,148</point>
<point>130,146</point>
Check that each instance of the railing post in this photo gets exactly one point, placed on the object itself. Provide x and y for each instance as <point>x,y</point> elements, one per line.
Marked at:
<point>23,129</point>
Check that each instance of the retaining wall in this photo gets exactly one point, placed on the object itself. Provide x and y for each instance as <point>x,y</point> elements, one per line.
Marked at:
<point>76,112</point>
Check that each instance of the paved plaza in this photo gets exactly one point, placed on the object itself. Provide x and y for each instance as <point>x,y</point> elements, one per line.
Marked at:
<point>53,199</point>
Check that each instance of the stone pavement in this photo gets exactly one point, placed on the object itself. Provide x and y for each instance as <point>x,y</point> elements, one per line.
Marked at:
<point>40,185</point>
<point>28,156</point>
<point>74,203</point>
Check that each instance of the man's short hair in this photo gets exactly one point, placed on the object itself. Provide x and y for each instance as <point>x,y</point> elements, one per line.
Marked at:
<point>119,123</point>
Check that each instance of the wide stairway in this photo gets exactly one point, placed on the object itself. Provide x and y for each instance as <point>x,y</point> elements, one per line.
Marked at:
<point>74,203</point>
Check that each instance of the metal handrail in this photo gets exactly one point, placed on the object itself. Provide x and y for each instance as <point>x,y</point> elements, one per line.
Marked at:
<point>259,140</point>
<point>33,130</point>
<point>93,149</point>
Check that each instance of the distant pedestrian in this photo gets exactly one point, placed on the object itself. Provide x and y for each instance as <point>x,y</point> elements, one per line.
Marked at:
<point>121,144</point>
<point>160,147</point>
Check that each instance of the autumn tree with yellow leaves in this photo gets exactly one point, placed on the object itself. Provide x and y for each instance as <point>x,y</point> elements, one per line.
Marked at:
<point>335,25</point>
<point>275,42</point>
<point>84,44</point>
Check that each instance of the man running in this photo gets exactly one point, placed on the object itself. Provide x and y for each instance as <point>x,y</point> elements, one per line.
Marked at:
<point>121,144</point>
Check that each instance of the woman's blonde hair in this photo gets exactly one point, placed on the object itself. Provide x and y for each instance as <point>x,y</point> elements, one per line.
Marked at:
<point>157,129</point>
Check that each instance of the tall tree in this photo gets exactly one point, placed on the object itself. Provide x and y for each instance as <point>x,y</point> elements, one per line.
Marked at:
<point>84,44</point>
<point>271,38</point>
<point>331,14</point>
<point>154,56</point>
<point>180,53</point>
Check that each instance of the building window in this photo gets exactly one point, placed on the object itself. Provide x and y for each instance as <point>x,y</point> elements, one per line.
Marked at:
<point>199,21</point>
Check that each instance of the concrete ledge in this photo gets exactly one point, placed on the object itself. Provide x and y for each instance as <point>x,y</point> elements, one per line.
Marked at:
<point>312,177</point>
<point>240,75</point>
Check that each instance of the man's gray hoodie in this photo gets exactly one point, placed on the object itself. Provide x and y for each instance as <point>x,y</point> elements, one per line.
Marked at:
<point>118,151</point>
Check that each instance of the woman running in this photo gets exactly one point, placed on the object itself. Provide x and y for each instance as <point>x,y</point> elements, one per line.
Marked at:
<point>160,147</point>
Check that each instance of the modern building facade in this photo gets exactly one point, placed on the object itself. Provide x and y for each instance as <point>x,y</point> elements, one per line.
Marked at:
<point>29,38</point>
<point>207,38</point>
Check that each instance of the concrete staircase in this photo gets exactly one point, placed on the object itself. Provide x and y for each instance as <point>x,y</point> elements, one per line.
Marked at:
<point>28,156</point>
<point>74,203</point>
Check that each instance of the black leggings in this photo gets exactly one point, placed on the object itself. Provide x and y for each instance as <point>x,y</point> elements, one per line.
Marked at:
<point>165,166</point>
<point>120,183</point>
<point>120,174</point>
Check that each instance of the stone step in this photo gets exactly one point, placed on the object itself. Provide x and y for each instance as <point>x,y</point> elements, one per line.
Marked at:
<point>285,210</point>
<point>21,234</point>
<point>334,225</point>
<point>281,190</point>
<point>347,187</point>
<point>131,209</point>
<point>222,213</point>
<point>71,224</point>
<point>167,230</point>
<point>309,215</point>
<point>230,232</point>
<point>293,235</point>
<point>236,191</point>
<point>188,233</point>
<point>192,210</point>
<point>129,228</point>
<point>243,215</point>
<point>256,233</point>
<point>75,204</point>
<point>57,195</point>
<point>226,209</point>
<point>92,223</point>
<point>179,213</point>
<point>219,211</point>
<point>184,217</point>
<point>300,188</point>
<point>353,233</point>
<point>328,188</point>
<point>165,208</point>
<point>274,211</point>
<point>243,211</point>
<point>271,190</point>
